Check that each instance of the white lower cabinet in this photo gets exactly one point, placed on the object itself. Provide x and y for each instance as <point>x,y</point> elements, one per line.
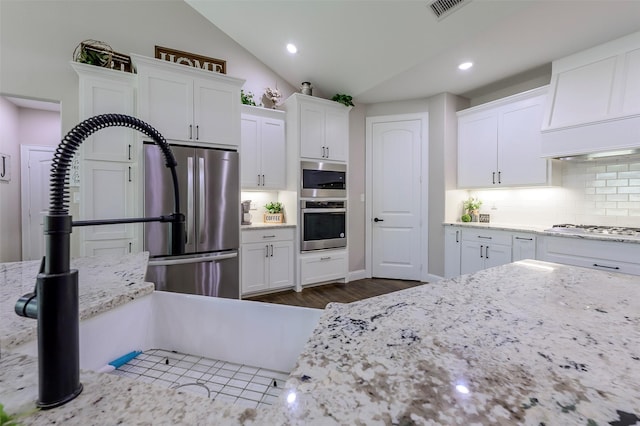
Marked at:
<point>613,256</point>
<point>329,265</point>
<point>481,249</point>
<point>267,257</point>
<point>523,246</point>
<point>452,243</point>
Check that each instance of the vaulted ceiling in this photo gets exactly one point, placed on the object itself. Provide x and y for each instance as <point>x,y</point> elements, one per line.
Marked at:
<point>397,49</point>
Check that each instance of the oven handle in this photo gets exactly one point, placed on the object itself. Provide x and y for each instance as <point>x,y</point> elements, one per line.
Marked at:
<point>323,210</point>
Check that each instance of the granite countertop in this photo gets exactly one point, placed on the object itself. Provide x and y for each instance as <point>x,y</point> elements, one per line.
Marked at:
<point>261,225</point>
<point>105,282</point>
<point>527,343</point>
<point>543,230</point>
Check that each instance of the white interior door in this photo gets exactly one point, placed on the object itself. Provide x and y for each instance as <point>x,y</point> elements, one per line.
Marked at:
<point>35,171</point>
<point>396,199</point>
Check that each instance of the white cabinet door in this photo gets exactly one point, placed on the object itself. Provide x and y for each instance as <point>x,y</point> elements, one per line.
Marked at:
<point>104,96</point>
<point>336,134</point>
<point>281,264</point>
<point>263,153</point>
<point>496,255</point>
<point>477,150</point>
<point>524,247</point>
<point>452,243</point>
<point>471,257</point>
<point>216,113</point>
<point>519,161</point>
<point>107,192</point>
<point>166,103</point>
<point>273,150</point>
<point>255,267</point>
<point>312,131</point>
<point>109,247</point>
<point>250,152</point>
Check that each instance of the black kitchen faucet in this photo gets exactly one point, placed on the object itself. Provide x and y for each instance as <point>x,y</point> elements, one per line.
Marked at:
<point>54,302</point>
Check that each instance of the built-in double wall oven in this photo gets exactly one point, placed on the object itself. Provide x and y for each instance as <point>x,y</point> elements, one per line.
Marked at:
<point>323,208</point>
<point>323,224</point>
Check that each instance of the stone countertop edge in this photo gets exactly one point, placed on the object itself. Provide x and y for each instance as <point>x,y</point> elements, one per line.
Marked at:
<point>257,226</point>
<point>105,282</point>
<point>542,230</point>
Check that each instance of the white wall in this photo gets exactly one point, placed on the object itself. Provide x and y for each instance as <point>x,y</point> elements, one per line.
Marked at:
<point>10,236</point>
<point>356,183</point>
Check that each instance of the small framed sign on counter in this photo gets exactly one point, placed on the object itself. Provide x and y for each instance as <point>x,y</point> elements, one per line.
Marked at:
<point>5,167</point>
<point>191,60</point>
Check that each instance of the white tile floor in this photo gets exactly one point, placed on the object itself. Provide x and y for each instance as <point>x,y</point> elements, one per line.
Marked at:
<point>223,381</point>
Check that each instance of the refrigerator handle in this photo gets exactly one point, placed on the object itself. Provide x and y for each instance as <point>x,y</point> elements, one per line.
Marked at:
<point>190,206</point>
<point>201,200</point>
<point>187,260</point>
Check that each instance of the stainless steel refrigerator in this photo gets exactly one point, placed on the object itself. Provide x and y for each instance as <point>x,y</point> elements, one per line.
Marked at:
<point>209,185</point>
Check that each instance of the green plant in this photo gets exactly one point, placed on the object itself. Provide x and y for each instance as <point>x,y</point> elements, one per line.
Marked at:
<point>466,218</point>
<point>343,99</point>
<point>5,419</point>
<point>472,204</point>
<point>274,207</point>
<point>247,98</point>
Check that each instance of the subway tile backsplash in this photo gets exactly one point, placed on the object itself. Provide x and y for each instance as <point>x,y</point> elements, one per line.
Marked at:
<point>603,192</point>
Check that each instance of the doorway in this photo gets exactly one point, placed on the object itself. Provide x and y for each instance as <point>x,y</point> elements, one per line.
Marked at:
<point>35,165</point>
<point>397,183</point>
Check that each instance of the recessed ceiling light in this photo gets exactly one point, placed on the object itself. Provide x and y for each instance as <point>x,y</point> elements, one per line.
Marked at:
<point>292,48</point>
<point>465,65</point>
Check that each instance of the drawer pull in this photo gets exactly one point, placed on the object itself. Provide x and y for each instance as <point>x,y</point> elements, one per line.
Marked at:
<point>605,266</point>
<point>486,238</point>
<point>325,258</point>
<point>522,238</point>
<point>268,236</point>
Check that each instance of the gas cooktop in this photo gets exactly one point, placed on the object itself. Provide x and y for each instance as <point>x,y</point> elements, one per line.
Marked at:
<point>613,231</point>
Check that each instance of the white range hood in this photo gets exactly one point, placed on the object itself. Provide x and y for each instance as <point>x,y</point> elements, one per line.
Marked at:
<point>593,105</point>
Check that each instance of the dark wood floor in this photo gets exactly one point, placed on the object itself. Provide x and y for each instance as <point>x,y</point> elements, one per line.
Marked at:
<point>319,296</point>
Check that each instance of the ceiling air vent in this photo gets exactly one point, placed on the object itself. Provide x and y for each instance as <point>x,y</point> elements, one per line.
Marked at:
<point>443,8</point>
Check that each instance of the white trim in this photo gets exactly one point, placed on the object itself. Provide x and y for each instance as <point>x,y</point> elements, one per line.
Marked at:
<point>358,275</point>
<point>424,204</point>
<point>433,278</point>
<point>25,188</point>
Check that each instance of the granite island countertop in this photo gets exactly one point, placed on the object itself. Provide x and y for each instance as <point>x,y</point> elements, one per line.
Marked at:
<point>105,282</point>
<point>526,343</point>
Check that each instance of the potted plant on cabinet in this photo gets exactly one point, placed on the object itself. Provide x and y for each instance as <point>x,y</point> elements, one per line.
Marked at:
<point>471,210</point>
<point>274,212</point>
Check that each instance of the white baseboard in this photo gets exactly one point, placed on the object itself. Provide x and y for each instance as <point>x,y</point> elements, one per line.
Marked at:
<point>434,278</point>
<point>358,275</point>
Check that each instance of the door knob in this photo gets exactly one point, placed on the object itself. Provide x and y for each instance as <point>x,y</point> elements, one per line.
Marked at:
<point>378,220</point>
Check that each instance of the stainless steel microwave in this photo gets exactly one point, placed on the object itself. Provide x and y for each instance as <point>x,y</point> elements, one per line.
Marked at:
<point>320,179</point>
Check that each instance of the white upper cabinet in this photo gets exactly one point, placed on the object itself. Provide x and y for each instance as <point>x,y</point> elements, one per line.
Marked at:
<point>188,104</point>
<point>263,149</point>
<point>594,100</point>
<point>499,143</point>
<point>321,127</point>
<point>104,91</point>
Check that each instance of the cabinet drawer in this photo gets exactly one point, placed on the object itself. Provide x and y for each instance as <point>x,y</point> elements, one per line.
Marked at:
<point>265,235</point>
<point>323,267</point>
<point>603,255</point>
<point>486,236</point>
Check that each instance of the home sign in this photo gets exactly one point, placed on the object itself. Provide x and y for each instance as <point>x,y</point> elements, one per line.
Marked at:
<point>191,60</point>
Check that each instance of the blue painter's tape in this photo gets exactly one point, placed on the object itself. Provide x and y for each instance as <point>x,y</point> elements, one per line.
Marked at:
<point>124,359</point>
